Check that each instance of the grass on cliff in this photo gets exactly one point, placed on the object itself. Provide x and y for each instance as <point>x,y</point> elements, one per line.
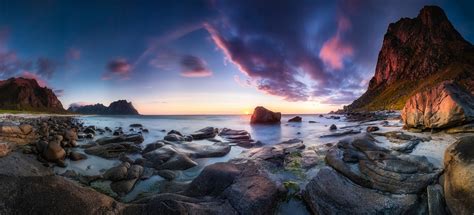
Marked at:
<point>29,112</point>
<point>395,96</point>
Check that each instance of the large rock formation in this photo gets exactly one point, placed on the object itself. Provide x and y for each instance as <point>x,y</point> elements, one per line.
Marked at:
<point>120,107</point>
<point>368,179</point>
<point>459,176</point>
<point>417,53</point>
<point>443,106</point>
<point>26,94</point>
<point>262,115</point>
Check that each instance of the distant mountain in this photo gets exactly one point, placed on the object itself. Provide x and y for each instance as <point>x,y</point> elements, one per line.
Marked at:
<point>120,107</point>
<point>25,94</point>
<point>416,54</point>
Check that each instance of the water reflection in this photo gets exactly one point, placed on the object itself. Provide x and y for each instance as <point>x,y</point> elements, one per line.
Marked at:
<point>267,134</point>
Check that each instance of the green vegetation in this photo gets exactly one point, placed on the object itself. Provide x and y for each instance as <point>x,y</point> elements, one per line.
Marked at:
<point>30,112</point>
<point>395,96</point>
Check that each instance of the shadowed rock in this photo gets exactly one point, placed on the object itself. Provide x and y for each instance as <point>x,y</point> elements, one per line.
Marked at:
<point>459,176</point>
<point>113,150</point>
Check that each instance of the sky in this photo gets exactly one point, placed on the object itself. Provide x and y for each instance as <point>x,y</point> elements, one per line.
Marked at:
<point>205,56</point>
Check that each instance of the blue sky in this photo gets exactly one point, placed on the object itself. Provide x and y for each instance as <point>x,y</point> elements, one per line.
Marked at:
<point>209,56</point>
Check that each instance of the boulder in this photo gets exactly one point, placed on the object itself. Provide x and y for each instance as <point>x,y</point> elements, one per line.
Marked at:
<point>443,106</point>
<point>333,127</point>
<point>205,133</point>
<point>239,137</point>
<point>262,115</point>
<point>21,135</point>
<point>295,119</point>
<point>459,176</point>
<point>76,156</point>
<point>178,162</point>
<point>113,150</point>
<point>332,193</point>
<point>117,173</point>
<point>35,195</point>
<point>5,148</point>
<point>18,164</point>
<point>135,138</point>
<point>375,167</point>
<point>372,128</point>
<point>54,152</point>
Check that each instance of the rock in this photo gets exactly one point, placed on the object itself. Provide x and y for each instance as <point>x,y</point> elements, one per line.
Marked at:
<point>167,174</point>
<point>468,128</point>
<point>339,134</point>
<point>26,128</point>
<point>459,176</point>
<point>239,137</point>
<point>70,135</point>
<point>10,132</point>
<point>312,121</point>
<point>136,125</point>
<point>135,171</point>
<point>295,119</point>
<point>5,148</point>
<point>208,132</point>
<point>113,150</point>
<point>117,173</point>
<point>76,156</point>
<point>372,166</point>
<point>276,153</point>
<point>262,115</point>
<point>406,147</point>
<point>123,187</point>
<point>54,152</point>
<point>37,194</point>
<point>224,188</point>
<point>372,128</point>
<point>153,146</point>
<point>178,162</point>
<point>173,138</point>
<point>443,106</point>
<point>135,138</point>
<point>89,130</point>
<point>17,164</point>
<point>436,205</point>
<point>331,193</point>
<point>333,127</point>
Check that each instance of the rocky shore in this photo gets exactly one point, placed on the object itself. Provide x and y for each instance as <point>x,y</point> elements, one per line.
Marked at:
<point>377,169</point>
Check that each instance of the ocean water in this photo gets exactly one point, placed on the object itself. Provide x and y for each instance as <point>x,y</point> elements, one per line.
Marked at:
<point>158,127</point>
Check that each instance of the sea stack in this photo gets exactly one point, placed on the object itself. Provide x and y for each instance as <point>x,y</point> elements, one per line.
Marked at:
<point>262,115</point>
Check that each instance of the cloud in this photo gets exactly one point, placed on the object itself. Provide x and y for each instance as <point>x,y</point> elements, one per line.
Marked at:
<point>334,50</point>
<point>59,92</point>
<point>79,104</point>
<point>194,67</point>
<point>73,54</point>
<point>117,67</point>
<point>46,67</point>
<point>29,75</point>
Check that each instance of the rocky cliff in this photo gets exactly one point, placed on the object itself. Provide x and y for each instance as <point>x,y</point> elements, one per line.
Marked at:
<point>416,54</point>
<point>120,107</point>
<point>26,94</point>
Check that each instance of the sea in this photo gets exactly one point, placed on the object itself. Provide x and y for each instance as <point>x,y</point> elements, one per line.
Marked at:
<point>158,127</point>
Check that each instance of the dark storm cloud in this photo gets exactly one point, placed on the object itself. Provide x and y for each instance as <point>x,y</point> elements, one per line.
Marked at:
<point>194,67</point>
<point>335,44</point>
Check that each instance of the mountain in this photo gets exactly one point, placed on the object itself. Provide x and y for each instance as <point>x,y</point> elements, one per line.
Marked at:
<point>120,107</point>
<point>417,54</point>
<point>25,94</point>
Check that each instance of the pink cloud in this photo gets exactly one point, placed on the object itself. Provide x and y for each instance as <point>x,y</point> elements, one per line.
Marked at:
<point>334,52</point>
<point>41,82</point>
<point>118,67</point>
<point>194,67</point>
